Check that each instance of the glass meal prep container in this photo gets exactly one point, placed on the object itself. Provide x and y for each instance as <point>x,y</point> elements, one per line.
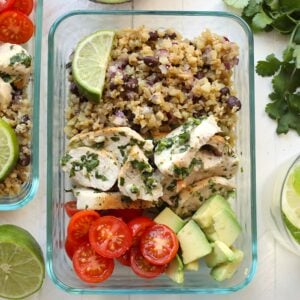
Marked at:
<point>33,46</point>
<point>63,38</point>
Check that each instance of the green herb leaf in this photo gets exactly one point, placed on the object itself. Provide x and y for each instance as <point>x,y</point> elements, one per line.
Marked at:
<point>252,8</point>
<point>296,55</point>
<point>289,5</point>
<point>283,24</point>
<point>21,58</point>
<point>260,21</point>
<point>294,103</point>
<point>268,67</point>
<point>237,3</point>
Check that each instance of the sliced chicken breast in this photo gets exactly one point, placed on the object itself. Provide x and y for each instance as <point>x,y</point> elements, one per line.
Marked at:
<point>15,62</point>
<point>137,178</point>
<point>94,200</point>
<point>217,159</point>
<point>175,154</point>
<point>117,140</point>
<point>5,94</point>
<point>91,168</point>
<point>191,198</point>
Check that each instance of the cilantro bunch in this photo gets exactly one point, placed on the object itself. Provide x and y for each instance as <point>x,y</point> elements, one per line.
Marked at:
<point>283,16</point>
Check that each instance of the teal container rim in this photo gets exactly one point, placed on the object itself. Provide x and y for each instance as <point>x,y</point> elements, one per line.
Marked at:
<point>36,107</point>
<point>182,290</point>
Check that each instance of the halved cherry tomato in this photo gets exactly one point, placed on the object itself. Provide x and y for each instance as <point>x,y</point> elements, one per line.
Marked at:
<point>71,208</point>
<point>24,6</point>
<point>91,267</point>
<point>6,4</point>
<point>125,214</point>
<point>79,225</point>
<point>142,267</point>
<point>71,246</point>
<point>15,27</point>
<point>125,259</point>
<point>159,244</point>
<point>110,237</point>
<point>137,227</point>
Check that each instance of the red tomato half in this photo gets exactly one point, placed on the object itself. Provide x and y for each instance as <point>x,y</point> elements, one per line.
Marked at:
<point>71,246</point>
<point>138,225</point>
<point>6,4</point>
<point>159,244</point>
<point>24,6</point>
<point>125,259</point>
<point>71,208</point>
<point>79,225</point>
<point>91,267</point>
<point>141,267</point>
<point>125,214</point>
<point>15,27</point>
<point>110,237</point>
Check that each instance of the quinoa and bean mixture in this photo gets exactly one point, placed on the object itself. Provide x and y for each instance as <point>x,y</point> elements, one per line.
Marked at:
<point>156,80</point>
<point>18,115</point>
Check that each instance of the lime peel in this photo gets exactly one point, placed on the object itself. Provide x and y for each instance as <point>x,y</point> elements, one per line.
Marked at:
<point>22,267</point>
<point>90,62</point>
<point>9,149</point>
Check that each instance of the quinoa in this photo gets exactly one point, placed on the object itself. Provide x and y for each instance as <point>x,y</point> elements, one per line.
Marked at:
<point>156,80</point>
<point>18,115</point>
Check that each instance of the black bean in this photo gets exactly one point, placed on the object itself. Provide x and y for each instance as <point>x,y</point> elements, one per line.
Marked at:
<point>83,99</point>
<point>131,83</point>
<point>199,113</point>
<point>129,115</point>
<point>199,75</point>
<point>233,101</point>
<point>24,160</point>
<point>25,118</point>
<point>153,36</point>
<point>74,89</point>
<point>69,65</point>
<point>224,91</point>
<point>226,38</point>
<point>112,86</point>
<point>151,61</point>
<point>136,127</point>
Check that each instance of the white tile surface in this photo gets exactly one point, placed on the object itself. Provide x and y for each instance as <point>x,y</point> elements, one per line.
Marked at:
<point>278,272</point>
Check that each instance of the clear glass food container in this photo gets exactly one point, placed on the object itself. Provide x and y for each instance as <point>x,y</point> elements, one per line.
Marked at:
<point>277,223</point>
<point>63,37</point>
<point>33,46</point>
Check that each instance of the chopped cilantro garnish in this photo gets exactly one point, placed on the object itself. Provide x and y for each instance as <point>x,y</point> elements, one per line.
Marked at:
<point>122,181</point>
<point>65,159</point>
<point>21,58</point>
<point>141,166</point>
<point>100,176</point>
<point>134,189</point>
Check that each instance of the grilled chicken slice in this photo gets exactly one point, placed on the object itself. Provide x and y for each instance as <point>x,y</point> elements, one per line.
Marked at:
<point>15,63</point>
<point>91,168</point>
<point>117,140</point>
<point>93,200</point>
<point>191,198</point>
<point>217,159</point>
<point>175,154</point>
<point>137,178</point>
<point>5,94</point>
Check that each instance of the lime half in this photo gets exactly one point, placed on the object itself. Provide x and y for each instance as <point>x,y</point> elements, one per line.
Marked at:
<point>9,149</point>
<point>22,268</point>
<point>90,63</point>
<point>291,202</point>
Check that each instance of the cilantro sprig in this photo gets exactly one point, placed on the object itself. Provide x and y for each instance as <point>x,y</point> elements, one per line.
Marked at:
<point>283,16</point>
<point>285,97</point>
<point>265,15</point>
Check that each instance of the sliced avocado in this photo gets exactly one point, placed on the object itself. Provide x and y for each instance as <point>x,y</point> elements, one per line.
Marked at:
<point>175,270</point>
<point>193,242</point>
<point>226,270</point>
<point>169,218</point>
<point>192,266</point>
<point>221,253</point>
<point>203,216</point>
<point>225,227</point>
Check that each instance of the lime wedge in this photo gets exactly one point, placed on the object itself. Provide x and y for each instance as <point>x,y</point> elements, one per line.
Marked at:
<point>22,268</point>
<point>291,203</point>
<point>9,149</point>
<point>90,63</point>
